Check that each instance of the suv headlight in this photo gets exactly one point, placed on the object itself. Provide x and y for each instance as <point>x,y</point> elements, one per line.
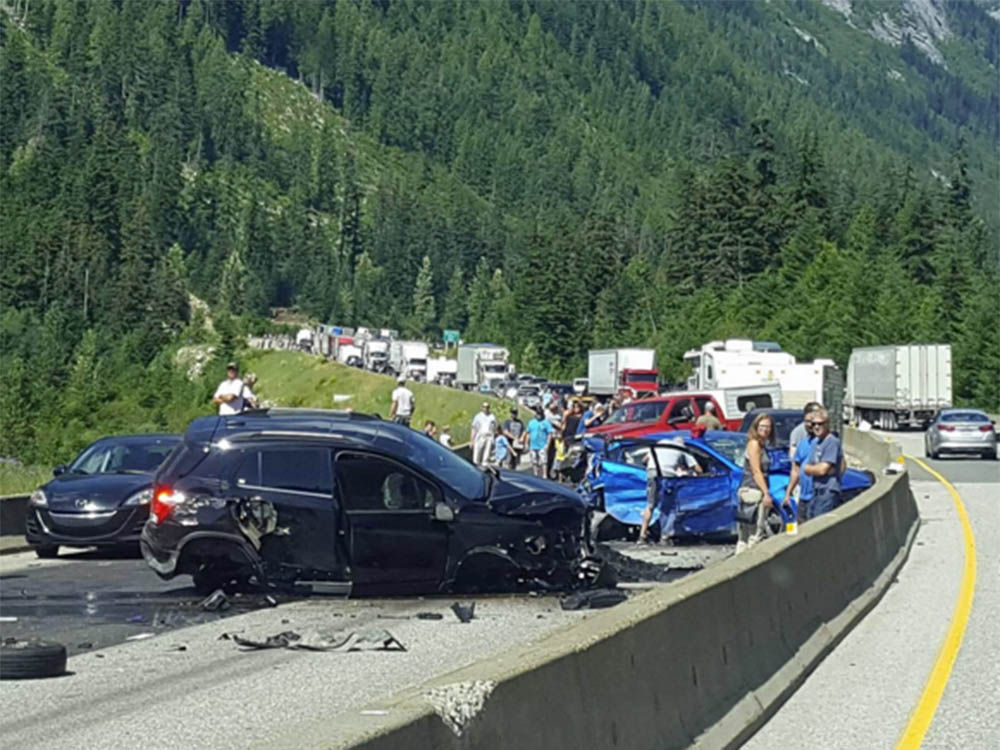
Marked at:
<point>38,499</point>
<point>142,497</point>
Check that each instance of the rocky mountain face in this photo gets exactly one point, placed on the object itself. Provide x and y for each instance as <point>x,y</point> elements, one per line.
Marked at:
<point>926,23</point>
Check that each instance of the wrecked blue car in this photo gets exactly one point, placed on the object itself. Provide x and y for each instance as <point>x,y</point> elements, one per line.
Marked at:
<point>615,485</point>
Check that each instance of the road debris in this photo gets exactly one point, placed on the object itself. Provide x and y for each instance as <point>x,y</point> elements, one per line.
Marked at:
<point>593,599</point>
<point>8,619</point>
<point>369,639</point>
<point>216,601</point>
<point>429,616</point>
<point>140,636</point>
<point>464,612</point>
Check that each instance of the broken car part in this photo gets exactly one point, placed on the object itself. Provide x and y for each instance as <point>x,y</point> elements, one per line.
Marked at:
<point>464,612</point>
<point>369,639</point>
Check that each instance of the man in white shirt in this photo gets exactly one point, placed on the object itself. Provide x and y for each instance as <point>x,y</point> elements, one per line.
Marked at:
<point>233,395</point>
<point>402,403</point>
<point>484,427</point>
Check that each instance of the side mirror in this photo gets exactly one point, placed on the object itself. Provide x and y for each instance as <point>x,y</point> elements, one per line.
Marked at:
<point>443,512</point>
<point>60,470</point>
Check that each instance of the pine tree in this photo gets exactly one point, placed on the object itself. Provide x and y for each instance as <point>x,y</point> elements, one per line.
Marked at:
<point>454,310</point>
<point>423,300</point>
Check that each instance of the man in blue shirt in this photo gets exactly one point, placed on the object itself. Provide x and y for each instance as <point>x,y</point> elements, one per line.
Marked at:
<point>825,465</point>
<point>800,479</point>
<point>501,449</point>
<point>540,432</point>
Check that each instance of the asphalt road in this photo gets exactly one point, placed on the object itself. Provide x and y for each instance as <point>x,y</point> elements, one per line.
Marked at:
<point>864,693</point>
<point>89,600</point>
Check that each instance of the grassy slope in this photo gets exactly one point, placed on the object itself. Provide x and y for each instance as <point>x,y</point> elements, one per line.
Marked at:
<point>295,379</point>
<point>17,480</point>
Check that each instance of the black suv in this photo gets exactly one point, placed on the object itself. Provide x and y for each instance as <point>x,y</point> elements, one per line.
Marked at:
<point>348,502</point>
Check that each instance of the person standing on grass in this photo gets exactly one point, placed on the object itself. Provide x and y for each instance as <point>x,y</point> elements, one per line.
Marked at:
<point>513,429</point>
<point>484,427</point>
<point>540,432</point>
<point>402,403</point>
<point>445,438</point>
<point>501,449</point>
<point>233,395</point>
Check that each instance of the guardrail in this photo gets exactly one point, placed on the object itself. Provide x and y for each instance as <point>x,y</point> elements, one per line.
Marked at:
<point>13,509</point>
<point>702,662</point>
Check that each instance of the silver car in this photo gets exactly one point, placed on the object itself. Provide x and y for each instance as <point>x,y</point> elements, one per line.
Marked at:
<point>961,431</point>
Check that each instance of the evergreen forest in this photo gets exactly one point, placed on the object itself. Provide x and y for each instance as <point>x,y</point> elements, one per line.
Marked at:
<point>552,176</point>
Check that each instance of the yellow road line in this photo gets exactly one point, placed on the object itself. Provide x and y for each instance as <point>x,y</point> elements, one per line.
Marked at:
<point>923,714</point>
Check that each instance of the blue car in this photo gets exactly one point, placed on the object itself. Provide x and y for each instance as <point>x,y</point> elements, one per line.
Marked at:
<point>706,503</point>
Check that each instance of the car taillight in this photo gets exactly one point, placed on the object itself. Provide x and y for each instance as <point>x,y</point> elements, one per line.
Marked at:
<point>986,428</point>
<point>164,500</point>
<point>945,428</point>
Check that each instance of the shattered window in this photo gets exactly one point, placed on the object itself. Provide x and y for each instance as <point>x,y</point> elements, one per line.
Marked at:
<point>298,470</point>
<point>371,483</point>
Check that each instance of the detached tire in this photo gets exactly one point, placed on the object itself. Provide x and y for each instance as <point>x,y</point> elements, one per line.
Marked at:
<point>28,660</point>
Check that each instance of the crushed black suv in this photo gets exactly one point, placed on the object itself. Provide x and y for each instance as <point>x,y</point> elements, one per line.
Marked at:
<point>349,503</point>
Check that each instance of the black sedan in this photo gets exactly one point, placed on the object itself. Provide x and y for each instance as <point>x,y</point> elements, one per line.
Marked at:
<point>101,499</point>
<point>347,503</point>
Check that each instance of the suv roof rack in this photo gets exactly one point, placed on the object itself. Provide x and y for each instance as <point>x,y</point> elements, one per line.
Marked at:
<point>288,411</point>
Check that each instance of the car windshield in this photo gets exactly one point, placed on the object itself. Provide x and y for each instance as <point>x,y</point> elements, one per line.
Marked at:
<point>964,416</point>
<point>784,423</point>
<point>732,447</point>
<point>642,377</point>
<point>440,462</point>
<point>114,457</point>
<point>637,412</point>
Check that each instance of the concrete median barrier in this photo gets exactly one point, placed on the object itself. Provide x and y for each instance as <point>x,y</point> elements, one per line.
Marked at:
<point>699,663</point>
<point>13,510</point>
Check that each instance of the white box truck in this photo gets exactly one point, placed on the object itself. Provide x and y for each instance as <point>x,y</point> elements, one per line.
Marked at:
<point>481,366</point>
<point>409,358</point>
<point>442,370</point>
<point>896,385</point>
<point>612,370</point>
<point>349,354</point>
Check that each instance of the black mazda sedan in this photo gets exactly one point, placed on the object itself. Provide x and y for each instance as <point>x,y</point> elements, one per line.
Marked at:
<point>101,499</point>
<point>348,503</point>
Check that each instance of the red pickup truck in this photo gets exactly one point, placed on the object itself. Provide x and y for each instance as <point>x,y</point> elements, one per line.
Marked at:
<point>661,414</point>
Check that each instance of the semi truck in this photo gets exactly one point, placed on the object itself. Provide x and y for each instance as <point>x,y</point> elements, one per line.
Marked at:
<point>743,362</point>
<point>610,371</point>
<point>441,370</point>
<point>409,358</point>
<point>375,353</point>
<point>481,366</point>
<point>896,385</point>
<point>349,354</point>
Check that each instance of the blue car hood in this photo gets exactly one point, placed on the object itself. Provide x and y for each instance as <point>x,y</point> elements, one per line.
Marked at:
<point>100,491</point>
<point>524,495</point>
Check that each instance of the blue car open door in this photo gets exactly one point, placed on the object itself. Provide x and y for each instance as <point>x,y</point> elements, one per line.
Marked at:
<point>704,503</point>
